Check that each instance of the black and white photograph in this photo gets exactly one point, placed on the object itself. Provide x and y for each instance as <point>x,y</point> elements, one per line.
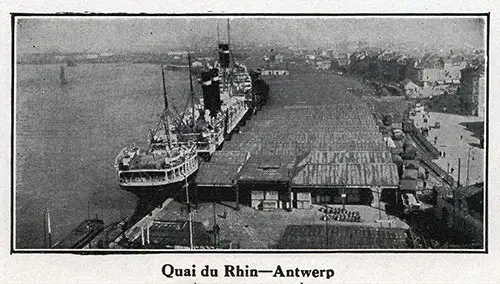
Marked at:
<point>249,133</point>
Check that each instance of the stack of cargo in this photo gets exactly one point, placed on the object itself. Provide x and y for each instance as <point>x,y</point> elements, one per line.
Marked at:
<point>303,200</point>
<point>270,201</point>
<point>257,199</point>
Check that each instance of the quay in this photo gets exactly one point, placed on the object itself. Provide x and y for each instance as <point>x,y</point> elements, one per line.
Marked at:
<point>313,156</point>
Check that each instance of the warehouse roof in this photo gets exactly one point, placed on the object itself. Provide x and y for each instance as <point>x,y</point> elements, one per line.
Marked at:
<point>336,175</point>
<point>316,113</point>
<point>292,147</point>
<point>222,169</point>
<point>342,237</point>
<point>266,169</point>
<point>336,157</point>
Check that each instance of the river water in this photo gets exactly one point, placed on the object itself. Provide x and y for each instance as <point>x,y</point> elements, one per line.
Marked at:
<point>67,137</point>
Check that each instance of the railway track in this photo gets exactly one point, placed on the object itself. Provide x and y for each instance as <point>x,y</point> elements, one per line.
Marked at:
<point>427,163</point>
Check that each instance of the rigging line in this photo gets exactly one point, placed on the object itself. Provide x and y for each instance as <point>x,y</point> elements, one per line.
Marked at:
<point>156,102</point>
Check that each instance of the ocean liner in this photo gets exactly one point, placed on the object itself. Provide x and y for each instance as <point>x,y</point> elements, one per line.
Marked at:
<point>165,162</point>
<point>227,93</point>
<point>199,131</point>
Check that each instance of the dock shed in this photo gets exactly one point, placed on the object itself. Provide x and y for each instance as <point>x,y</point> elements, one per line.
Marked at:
<point>264,182</point>
<point>359,177</point>
<point>313,142</point>
<point>216,180</point>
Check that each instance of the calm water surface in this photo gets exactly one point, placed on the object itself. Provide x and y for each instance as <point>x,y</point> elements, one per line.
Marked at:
<point>68,136</point>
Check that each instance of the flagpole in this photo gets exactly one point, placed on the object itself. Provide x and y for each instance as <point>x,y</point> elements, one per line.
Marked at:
<point>49,228</point>
<point>44,228</point>
<point>186,185</point>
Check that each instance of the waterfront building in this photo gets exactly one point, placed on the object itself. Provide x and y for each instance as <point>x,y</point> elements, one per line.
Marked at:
<point>472,89</point>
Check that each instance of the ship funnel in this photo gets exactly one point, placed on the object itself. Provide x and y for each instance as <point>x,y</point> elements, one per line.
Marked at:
<point>216,91</point>
<point>211,91</point>
<point>206,81</point>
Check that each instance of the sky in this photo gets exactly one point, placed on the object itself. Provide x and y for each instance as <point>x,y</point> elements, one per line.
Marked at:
<point>100,34</point>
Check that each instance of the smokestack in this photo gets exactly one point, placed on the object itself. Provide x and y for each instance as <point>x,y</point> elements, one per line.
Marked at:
<point>216,101</point>
<point>206,80</point>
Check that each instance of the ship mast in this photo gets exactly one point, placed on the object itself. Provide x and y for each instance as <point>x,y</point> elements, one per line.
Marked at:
<point>218,35</point>
<point>62,78</point>
<point>191,90</point>
<point>230,60</point>
<point>165,112</point>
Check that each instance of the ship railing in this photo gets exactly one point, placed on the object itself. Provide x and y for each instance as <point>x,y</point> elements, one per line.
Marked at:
<point>171,174</point>
<point>199,145</point>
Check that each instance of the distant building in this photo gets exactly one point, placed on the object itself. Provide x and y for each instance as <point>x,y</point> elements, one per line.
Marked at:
<point>197,64</point>
<point>431,61</point>
<point>411,89</point>
<point>279,58</point>
<point>106,54</point>
<point>452,67</point>
<point>323,65</point>
<point>429,69</point>
<point>92,56</point>
<point>473,90</point>
<point>60,58</point>
<point>177,53</point>
<point>277,69</point>
<point>430,75</point>
<point>310,57</point>
<point>343,59</point>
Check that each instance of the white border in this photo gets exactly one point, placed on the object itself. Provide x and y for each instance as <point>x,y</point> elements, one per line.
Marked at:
<point>364,268</point>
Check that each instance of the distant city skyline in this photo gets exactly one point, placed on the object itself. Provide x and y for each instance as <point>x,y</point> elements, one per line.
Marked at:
<point>136,34</point>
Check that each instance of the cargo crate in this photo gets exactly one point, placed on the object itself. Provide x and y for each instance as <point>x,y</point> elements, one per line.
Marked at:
<point>269,204</point>
<point>271,195</point>
<point>257,195</point>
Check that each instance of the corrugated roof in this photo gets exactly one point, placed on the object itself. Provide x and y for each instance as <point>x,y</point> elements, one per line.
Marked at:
<point>344,157</point>
<point>222,169</point>
<point>313,112</point>
<point>342,237</point>
<point>266,169</point>
<point>267,135</point>
<point>292,147</point>
<point>229,157</point>
<point>333,175</point>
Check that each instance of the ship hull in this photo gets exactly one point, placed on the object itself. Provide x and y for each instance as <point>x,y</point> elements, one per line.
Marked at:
<point>148,189</point>
<point>171,190</point>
